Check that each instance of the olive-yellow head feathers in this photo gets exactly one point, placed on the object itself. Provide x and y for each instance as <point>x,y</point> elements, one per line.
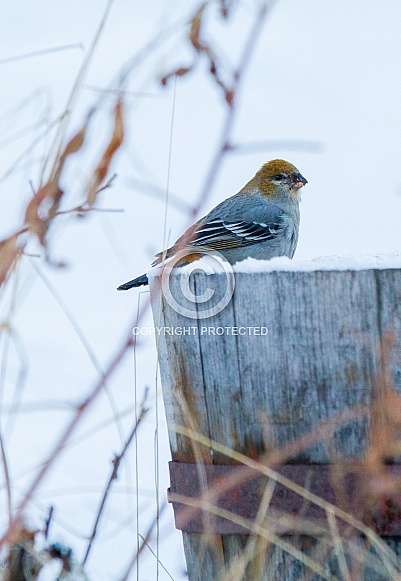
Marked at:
<point>278,178</point>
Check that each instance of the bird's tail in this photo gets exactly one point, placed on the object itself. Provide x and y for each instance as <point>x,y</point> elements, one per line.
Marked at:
<point>139,281</point>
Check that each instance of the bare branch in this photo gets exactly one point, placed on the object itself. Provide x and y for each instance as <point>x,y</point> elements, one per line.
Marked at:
<point>114,473</point>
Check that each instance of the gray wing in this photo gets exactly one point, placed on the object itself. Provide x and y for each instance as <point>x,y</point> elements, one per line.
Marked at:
<point>257,224</point>
<point>219,234</point>
<point>243,224</point>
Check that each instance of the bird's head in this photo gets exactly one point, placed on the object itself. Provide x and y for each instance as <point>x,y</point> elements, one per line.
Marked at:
<point>278,178</point>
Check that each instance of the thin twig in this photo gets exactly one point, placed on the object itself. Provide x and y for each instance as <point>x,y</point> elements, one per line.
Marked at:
<point>29,148</point>
<point>275,144</point>
<point>21,133</point>
<point>224,146</point>
<point>154,554</point>
<point>57,144</point>
<point>48,522</point>
<point>6,476</point>
<point>159,193</point>
<point>111,91</point>
<point>83,339</point>
<point>145,543</point>
<point>114,473</point>
<point>224,142</point>
<point>80,209</point>
<point>85,210</point>
<point>81,409</point>
<point>42,52</point>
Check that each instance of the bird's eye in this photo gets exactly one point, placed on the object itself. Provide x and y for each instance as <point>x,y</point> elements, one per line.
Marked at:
<point>279,176</point>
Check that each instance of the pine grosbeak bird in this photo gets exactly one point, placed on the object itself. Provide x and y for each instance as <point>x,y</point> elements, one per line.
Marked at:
<point>261,221</point>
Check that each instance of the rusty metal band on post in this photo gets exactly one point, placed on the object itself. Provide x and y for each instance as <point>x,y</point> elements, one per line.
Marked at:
<point>240,494</point>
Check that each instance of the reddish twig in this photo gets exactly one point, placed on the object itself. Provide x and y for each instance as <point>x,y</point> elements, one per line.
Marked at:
<point>81,409</point>
<point>114,473</point>
<point>224,142</point>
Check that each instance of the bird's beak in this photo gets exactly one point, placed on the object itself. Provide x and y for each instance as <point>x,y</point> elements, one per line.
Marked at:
<point>299,181</point>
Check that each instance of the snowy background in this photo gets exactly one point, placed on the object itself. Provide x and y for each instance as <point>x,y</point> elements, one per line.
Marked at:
<point>324,74</point>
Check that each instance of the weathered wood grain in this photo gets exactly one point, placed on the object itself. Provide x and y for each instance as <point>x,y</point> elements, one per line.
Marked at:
<point>320,356</point>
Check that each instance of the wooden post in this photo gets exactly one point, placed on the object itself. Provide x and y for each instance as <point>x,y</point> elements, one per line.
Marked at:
<point>311,349</point>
